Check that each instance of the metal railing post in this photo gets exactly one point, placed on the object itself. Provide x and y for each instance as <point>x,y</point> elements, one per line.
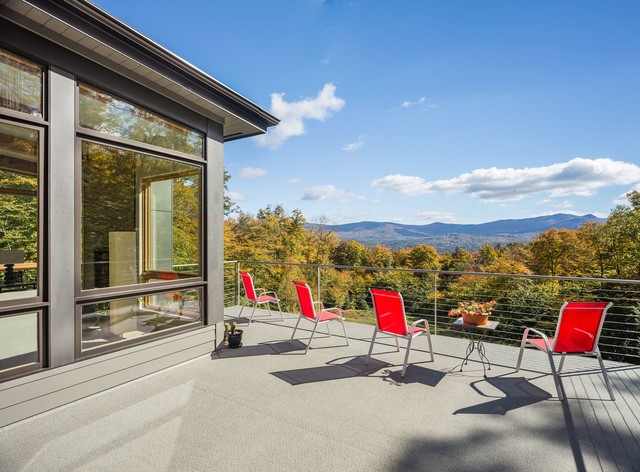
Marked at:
<point>318,279</point>
<point>237,283</point>
<point>435,303</point>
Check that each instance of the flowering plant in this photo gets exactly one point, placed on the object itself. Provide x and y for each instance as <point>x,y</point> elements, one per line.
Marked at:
<point>473,308</point>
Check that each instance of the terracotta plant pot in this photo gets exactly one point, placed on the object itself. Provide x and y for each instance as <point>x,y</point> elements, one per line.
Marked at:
<point>477,320</point>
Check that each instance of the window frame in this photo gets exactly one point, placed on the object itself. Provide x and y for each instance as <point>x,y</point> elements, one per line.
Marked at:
<point>41,172</point>
<point>40,302</point>
<point>85,297</point>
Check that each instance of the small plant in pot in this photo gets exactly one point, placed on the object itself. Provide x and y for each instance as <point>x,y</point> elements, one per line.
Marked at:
<point>233,335</point>
<point>473,312</point>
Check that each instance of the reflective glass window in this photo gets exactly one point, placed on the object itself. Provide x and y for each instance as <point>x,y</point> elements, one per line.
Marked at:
<point>19,342</point>
<point>117,321</point>
<point>21,84</point>
<point>141,218</point>
<point>110,115</point>
<point>19,157</point>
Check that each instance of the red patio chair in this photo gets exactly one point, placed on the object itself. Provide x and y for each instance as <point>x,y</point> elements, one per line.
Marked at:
<point>308,311</point>
<point>577,333</point>
<point>392,320</point>
<point>258,296</point>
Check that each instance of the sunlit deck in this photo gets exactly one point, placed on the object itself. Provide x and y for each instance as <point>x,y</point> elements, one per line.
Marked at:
<point>267,407</point>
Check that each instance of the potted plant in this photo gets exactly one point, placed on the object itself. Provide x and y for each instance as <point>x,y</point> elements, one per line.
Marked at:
<point>473,312</point>
<point>233,335</point>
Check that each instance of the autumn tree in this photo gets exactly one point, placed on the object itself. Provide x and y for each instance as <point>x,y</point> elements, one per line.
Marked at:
<point>551,252</point>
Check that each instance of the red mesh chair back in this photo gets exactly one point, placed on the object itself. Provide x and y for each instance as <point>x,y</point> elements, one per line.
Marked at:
<point>389,308</point>
<point>579,326</point>
<point>305,300</point>
<point>247,281</point>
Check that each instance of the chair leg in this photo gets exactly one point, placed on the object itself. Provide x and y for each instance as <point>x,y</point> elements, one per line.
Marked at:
<point>522,345</point>
<point>561,363</point>
<point>556,377</point>
<point>254,310</point>
<point>373,340</point>
<point>280,310</point>
<point>328,330</point>
<point>430,345</point>
<point>406,357</point>
<point>344,330</point>
<point>604,374</point>
<point>294,329</point>
<point>311,338</point>
<point>397,345</point>
<point>239,314</point>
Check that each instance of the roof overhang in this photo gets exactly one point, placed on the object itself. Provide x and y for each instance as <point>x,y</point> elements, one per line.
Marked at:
<point>91,32</point>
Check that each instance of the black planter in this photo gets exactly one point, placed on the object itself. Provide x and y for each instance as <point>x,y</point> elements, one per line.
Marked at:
<point>235,339</point>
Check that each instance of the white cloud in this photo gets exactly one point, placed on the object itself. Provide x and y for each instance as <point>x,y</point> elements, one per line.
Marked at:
<point>375,201</point>
<point>357,144</point>
<point>251,173</point>
<point>295,180</point>
<point>408,103</point>
<point>577,177</point>
<point>293,115</point>
<point>622,198</point>
<point>327,192</point>
<point>236,197</point>
<point>433,216</point>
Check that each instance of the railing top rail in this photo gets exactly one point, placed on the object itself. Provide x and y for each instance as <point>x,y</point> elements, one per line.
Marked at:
<point>441,272</point>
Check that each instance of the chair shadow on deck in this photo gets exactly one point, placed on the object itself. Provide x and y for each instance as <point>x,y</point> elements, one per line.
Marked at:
<point>518,393</point>
<point>357,367</point>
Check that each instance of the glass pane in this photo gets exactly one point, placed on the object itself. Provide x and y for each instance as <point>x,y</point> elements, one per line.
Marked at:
<point>107,114</point>
<point>140,218</point>
<point>19,150</point>
<point>121,320</point>
<point>20,84</point>
<point>18,341</point>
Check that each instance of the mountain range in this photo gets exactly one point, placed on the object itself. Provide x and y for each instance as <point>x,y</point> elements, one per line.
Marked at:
<point>447,237</point>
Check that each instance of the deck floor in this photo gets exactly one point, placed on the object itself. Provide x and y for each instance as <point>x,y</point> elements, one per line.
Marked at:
<point>268,407</point>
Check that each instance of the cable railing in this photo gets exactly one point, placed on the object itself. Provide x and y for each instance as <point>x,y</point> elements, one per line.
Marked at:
<point>522,300</point>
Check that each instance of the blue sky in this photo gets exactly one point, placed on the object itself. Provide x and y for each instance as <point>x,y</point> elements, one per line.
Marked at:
<point>461,111</point>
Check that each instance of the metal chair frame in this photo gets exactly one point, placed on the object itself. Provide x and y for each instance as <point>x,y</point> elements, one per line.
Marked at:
<point>309,312</point>
<point>258,296</point>
<point>550,346</point>
<point>409,332</point>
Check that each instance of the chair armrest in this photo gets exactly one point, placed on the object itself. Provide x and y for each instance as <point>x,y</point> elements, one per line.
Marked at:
<point>525,335</point>
<point>336,309</point>
<point>267,292</point>
<point>319,304</point>
<point>415,323</point>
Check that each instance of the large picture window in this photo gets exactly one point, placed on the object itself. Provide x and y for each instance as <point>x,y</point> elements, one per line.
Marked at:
<point>141,218</point>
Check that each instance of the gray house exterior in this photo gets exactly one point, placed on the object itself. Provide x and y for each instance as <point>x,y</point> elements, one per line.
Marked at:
<point>111,204</point>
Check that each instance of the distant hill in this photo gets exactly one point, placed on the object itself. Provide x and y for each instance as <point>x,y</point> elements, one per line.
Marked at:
<point>446,237</point>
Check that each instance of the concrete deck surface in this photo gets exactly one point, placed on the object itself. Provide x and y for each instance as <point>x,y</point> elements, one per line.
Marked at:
<point>268,407</point>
